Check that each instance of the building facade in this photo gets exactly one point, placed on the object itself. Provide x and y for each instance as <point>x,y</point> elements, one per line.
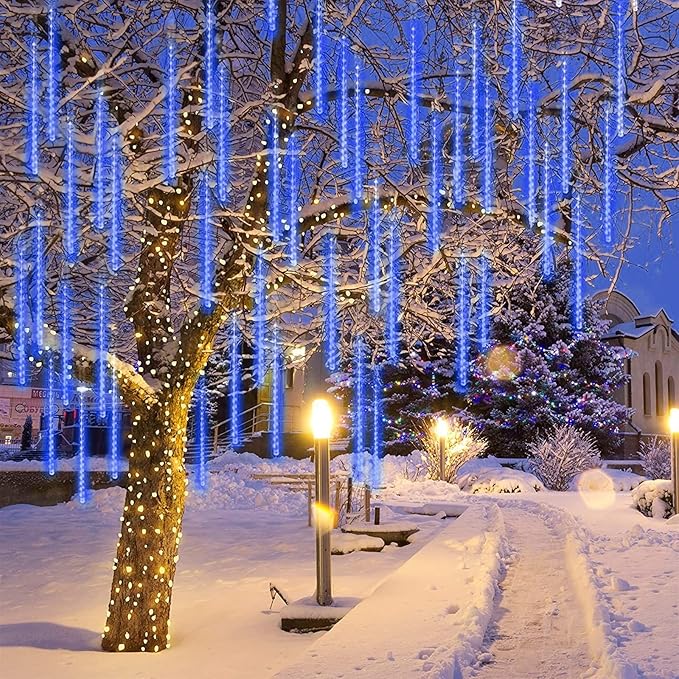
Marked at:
<point>653,366</point>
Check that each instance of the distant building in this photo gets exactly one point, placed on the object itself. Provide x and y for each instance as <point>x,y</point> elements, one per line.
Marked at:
<point>654,366</point>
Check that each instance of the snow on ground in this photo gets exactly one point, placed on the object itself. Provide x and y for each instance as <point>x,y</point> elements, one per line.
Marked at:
<point>586,573</point>
<point>487,475</point>
<point>64,464</point>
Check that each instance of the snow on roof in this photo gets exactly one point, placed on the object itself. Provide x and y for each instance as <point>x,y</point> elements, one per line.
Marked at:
<point>628,329</point>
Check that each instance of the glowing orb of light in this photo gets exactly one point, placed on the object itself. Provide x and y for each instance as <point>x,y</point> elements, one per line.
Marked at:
<point>596,489</point>
<point>503,363</point>
<point>323,517</point>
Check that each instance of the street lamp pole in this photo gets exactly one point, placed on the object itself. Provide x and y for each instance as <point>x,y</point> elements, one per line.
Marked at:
<point>674,439</point>
<point>442,433</point>
<point>321,423</point>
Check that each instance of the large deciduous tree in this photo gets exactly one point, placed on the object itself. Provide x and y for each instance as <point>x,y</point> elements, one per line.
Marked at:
<point>162,332</point>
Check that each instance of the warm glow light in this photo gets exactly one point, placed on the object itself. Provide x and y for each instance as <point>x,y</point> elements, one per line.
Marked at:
<point>321,419</point>
<point>323,517</point>
<point>674,420</point>
<point>442,427</point>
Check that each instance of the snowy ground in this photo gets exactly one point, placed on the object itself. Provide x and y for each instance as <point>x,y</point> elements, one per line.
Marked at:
<point>564,584</point>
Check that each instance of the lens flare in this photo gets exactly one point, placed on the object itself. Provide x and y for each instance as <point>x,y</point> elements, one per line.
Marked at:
<point>503,363</point>
<point>596,489</point>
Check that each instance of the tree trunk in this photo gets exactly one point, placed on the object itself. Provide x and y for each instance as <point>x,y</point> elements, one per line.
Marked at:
<point>151,528</point>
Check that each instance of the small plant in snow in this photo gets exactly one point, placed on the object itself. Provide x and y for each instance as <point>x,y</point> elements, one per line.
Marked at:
<point>654,499</point>
<point>560,455</point>
<point>655,458</point>
<point>463,443</point>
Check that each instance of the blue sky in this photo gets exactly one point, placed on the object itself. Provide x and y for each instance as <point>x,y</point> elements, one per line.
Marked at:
<point>652,277</point>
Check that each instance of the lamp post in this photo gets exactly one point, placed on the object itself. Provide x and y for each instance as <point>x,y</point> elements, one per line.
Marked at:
<point>442,433</point>
<point>674,439</point>
<point>321,424</point>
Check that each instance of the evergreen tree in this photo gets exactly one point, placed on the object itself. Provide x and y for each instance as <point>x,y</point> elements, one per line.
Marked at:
<point>421,385</point>
<point>541,373</point>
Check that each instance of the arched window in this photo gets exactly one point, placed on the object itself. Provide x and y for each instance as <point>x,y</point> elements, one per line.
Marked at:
<point>671,397</point>
<point>647,394</point>
<point>659,390</point>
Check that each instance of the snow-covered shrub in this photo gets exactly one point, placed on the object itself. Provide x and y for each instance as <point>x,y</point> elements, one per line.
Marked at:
<point>655,458</point>
<point>463,443</point>
<point>654,498</point>
<point>560,455</point>
<point>489,476</point>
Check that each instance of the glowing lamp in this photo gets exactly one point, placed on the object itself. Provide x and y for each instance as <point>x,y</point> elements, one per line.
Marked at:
<point>674,420</point>
<point>442,427</point>
<point>321,419</point>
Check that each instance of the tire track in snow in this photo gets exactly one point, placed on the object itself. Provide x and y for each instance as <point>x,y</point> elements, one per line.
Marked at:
<point>537,630</point>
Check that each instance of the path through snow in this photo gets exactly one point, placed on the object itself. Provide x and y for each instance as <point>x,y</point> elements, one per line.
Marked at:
<point>537,629</point>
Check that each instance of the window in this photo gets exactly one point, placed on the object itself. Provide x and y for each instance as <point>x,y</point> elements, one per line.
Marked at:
<point>628,386</point>
<point>659,390</point>
<point>289,378</point>
<point>647,394</point>
<point>671,397</point>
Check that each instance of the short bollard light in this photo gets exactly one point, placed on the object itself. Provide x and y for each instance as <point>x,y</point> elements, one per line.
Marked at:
<point>442,429</point>
<point>321,426</point>
<point>674,438</point>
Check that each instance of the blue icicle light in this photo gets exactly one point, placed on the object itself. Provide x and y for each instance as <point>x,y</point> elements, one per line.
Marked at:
<point>608,180</point>
<point>21,302</point>
<point>224,136</point>
<point>547,226</point>
<point>360,405</point>
<point>53,70</point>
<point>344,102</point>
<point>32,109</point>
<point>70,198</point>
<point>235,385</point>
<point>394,293</point>
<point>201,428</point>
<point>578,309</point>
<point>115,245</point>
<point>83,475</point>
<point>259,317</point>
<point>210,65</point>
<point>532,157</point>
<point>51,461</point>
<point>359,136</point>
<point>485,285</point>
<point>293,177</point>
<point>477,67</point>
<point>276,415</point>
<point>413,95</point>
<point>332,351</point>
<point>436,184</point>
<point>458,145</point>
<point>320,103</point>
<point>39,279</point>
<point>515,71</point>
<point>102,352</point>
<point>115,452</point>
<point>488,150</point>
<point>271,15</point>
<point>378,423</point>
<point>565,131</point>
<point>274,186</point>
<point>206,240</point>
<point>374,236</point>
<point>66,344</point>
<point>171,112</point>
<point>620,67</point>
<point>101,115</point>
<point>463,318</point>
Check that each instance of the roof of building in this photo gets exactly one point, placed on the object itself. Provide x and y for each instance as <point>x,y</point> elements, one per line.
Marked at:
<point>626,318</point>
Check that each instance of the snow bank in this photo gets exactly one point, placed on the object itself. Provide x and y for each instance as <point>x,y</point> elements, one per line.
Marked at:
<point>489,476</point>
<point>605,480</point>
<point>428,618</point>
<point>654,498</point>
